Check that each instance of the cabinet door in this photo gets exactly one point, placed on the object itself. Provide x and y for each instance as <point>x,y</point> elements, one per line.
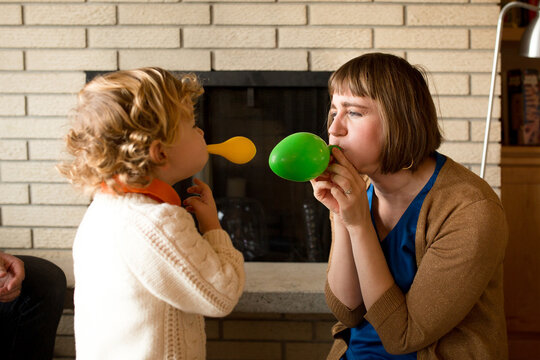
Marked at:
<point>520,194</point>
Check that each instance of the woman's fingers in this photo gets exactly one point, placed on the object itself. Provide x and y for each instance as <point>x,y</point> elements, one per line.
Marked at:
<point>340,159</point>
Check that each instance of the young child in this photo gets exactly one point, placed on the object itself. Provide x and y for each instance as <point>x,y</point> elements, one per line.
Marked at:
<point>415,269</point>
<point>144,275</point>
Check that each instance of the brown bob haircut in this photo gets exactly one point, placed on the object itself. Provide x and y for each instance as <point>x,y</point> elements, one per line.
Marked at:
<point>117,117</point>
<point>410,127</point>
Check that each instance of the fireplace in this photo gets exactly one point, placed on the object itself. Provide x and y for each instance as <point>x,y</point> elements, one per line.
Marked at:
<point>268,218</point>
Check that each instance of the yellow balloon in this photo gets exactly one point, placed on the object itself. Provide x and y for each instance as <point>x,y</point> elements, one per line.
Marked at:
<point>238,149</point>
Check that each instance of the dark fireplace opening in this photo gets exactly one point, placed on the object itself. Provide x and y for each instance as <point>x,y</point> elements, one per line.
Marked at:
<point>267,217</point>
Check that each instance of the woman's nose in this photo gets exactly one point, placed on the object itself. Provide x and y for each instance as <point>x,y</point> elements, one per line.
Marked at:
<point>337,128</point>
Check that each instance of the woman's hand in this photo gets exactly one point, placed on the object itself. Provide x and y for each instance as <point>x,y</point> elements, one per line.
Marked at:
<point>322,186</point>
<point>203,206</point>
<point>343,191</point>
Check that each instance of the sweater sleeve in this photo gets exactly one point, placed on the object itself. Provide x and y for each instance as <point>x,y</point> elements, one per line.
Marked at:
<point>194,273</point>
<point>455,270</point>
<point>348,317</point>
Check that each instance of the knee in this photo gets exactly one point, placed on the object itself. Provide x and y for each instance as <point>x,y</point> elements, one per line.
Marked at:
<point>45,278</point>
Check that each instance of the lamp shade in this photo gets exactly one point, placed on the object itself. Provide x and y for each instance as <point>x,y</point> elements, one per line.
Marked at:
<point>530,41</point>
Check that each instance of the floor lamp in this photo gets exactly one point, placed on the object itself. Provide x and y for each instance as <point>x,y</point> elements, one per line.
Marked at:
<point>530,47</point>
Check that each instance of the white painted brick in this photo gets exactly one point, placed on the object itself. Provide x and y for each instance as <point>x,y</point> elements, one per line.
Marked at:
<point>21,215</point>
<point>356,14</point>
<point>11,105</point>
<point>260,60</point>
<point>423,38</point>
<point>243,1</point>
<point>330,60</point>
<point>483,38</point>
<point>42,37</point>
<point>470,153</point>
<point>54,238</point>
<point>320,37</point>
<point>30,82</point>
<point>452,15</point>
<point>10,15</point>
<point>478,129</point>
<point>13,193</point>
<point>455,130</point>
<point>481,83</point>
<point>133,1</point>
<point>13,150</point>
<point>46,150</point>
<point>195,60</point>
<point>70,14</point>
<point>30,128</point>
<point>15,238</point>
<point>57,194</point>
<point>48,1</point>
<point>133,37</point>
<point>71,60</point>
<point>11,60</point>
<point>51,105</point>
<point>448,84</point>
<point>427,1</point>
<point>466,107</point>
<point>452,61</point>
<point>62,258</point>
<point>29,171</point>
<point>492,174</point>
<point>229,37</point>
<point>164,14</point>
<point>259,14</point>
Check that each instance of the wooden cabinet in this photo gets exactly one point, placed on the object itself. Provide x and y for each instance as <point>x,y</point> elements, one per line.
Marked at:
<point>520,193</point>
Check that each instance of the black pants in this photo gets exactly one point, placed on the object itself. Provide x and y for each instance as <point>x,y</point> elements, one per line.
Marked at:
<point>28,324</point>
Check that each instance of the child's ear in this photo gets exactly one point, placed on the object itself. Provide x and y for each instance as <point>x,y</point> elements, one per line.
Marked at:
<point>157,152</point>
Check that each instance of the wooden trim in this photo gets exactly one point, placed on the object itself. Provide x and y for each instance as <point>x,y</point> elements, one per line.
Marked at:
<point>520,156</point>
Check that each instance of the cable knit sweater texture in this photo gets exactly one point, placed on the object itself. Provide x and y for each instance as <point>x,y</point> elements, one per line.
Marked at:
<point>454,308</point>
<point>144,279</point>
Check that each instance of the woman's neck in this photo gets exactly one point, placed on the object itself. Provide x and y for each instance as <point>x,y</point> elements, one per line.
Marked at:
<point>404,185</point>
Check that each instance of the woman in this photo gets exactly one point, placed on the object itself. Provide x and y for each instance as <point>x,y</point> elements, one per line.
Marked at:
<point>415,270</point>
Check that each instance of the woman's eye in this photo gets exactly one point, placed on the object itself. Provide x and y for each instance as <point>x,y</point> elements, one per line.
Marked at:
<point>354,114</point>
<point>333,115</point>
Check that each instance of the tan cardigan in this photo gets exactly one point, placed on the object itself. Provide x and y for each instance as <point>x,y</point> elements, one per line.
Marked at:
<point>454,308</point>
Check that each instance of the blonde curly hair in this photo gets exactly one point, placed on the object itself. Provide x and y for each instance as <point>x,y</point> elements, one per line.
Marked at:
<point>117,118</point>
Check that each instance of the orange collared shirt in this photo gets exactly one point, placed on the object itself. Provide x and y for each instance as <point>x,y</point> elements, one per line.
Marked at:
<point>157,190</point>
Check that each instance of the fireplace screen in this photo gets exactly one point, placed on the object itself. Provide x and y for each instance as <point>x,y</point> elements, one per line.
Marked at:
<point>268,218</point>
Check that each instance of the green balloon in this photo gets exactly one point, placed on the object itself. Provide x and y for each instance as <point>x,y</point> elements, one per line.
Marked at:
<point>300,157</point>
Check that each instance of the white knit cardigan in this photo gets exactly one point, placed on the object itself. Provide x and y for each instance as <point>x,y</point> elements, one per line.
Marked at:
<point>144,279</point>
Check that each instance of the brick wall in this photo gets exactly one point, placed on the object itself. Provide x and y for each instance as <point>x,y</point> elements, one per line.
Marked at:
<point>45,47</point>
<point>243,336</point>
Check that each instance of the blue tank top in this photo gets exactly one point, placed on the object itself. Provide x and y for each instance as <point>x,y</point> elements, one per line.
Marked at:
<point>399,250</point>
